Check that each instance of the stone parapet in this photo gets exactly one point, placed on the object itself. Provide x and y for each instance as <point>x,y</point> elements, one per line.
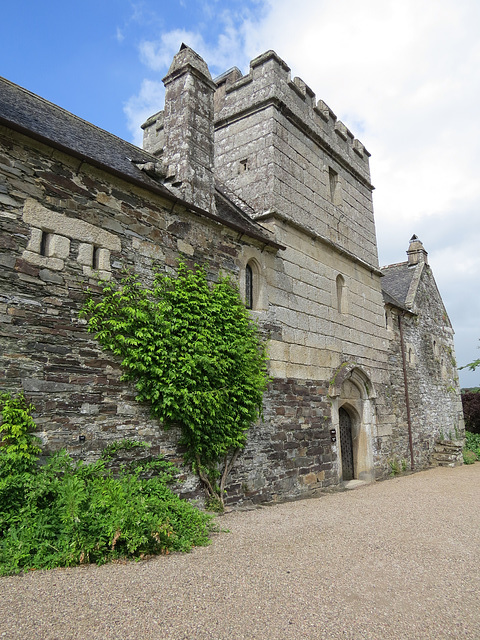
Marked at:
<point>269,82</point>
<point>288,156</point>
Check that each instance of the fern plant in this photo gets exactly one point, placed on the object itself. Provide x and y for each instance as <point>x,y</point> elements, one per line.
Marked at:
<point>66,512</point>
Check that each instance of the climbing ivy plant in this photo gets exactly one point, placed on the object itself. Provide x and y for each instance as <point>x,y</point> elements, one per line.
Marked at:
<point>195,355</point>
<point>19,446</point>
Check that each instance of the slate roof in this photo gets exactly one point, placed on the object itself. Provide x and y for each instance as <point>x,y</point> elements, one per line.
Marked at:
<point>31,115</point>
<point>396,282</point>
<point>34,116</point>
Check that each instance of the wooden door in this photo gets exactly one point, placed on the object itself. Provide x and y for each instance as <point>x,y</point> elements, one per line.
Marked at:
<point>346,445</point>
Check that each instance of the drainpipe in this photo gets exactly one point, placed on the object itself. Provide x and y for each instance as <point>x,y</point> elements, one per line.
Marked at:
<point>407,400</point>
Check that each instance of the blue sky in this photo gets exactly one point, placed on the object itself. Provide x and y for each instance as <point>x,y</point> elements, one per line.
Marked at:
<point>92,57</point>
<point>403,76</point>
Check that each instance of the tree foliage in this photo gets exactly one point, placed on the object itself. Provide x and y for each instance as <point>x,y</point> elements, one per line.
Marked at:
<point>471,410</point>
<point>195,355</point>
<point>471,403</point>
<point>472,366</point>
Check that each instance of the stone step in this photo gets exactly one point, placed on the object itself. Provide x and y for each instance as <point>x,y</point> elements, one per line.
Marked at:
<point>456,463</point>
<point>447,454</point>
<point>442,455</point>
<point>442,449</point>
<point>353,484</point>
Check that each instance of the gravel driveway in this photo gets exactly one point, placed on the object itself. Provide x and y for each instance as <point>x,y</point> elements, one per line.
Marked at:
<point>393,560</point>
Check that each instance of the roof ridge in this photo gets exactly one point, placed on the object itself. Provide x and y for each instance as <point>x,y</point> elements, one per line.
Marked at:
<point>58,108</point>
<point>394,264</point>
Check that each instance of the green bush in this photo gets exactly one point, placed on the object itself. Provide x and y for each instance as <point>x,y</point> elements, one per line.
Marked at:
<point>65,513</point>
<point>471,450</point>
<point>18,444</point>
<point>469,457</point>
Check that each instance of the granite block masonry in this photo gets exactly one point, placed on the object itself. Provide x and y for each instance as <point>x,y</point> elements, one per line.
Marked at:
<point>254,177</point>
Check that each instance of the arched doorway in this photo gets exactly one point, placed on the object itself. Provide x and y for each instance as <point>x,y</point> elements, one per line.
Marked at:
<point>353,417</point>
<point>346,444</point>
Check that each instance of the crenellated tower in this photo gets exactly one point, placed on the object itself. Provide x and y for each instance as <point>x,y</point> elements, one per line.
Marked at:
<point>286,154</point>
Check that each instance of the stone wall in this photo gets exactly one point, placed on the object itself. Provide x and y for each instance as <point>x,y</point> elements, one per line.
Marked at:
<point>290,452</point>
<point>317,335</point>
<point>433,389</point>
<point>432,370</point>
<point>44,347</point>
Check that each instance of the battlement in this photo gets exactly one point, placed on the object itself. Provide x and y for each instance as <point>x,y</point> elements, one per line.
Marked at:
<point>284,151</point>
<point>269,81</point>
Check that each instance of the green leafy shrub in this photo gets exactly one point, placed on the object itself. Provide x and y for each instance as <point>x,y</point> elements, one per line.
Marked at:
<point>194,355</point>
<point>66,513</point>
<point>469,457</point>
<point>394,466</point>
<point>471,450</point>
<point>19,446</point>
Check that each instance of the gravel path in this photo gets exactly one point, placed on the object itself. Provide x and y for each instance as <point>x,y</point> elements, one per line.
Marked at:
<point>394,560</point>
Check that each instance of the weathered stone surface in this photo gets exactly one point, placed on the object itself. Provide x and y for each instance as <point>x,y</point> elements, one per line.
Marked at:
<point>432,379</point>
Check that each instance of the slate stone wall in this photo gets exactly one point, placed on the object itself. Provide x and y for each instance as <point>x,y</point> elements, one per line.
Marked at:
<point>290,453</point>
<point>44,347</point>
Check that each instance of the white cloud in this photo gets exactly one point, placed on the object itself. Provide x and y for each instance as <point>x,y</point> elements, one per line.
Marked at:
<point>225,52</point>
<point>138,108</point>
<point>158,54</point>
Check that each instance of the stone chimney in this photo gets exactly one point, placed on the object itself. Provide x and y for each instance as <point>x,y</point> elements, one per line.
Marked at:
<point>416,253</point>
<point>153,134</point>
<point>188,132</point>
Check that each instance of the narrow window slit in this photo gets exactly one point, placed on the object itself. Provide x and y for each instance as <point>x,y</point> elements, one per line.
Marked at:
<point>95,257</point>
<point>248,287</point>
<point>333,182</point>
<point>44,243</point>
<point>340,282</point>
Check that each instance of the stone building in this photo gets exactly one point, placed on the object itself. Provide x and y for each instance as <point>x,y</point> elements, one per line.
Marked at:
<point>254,177</point>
